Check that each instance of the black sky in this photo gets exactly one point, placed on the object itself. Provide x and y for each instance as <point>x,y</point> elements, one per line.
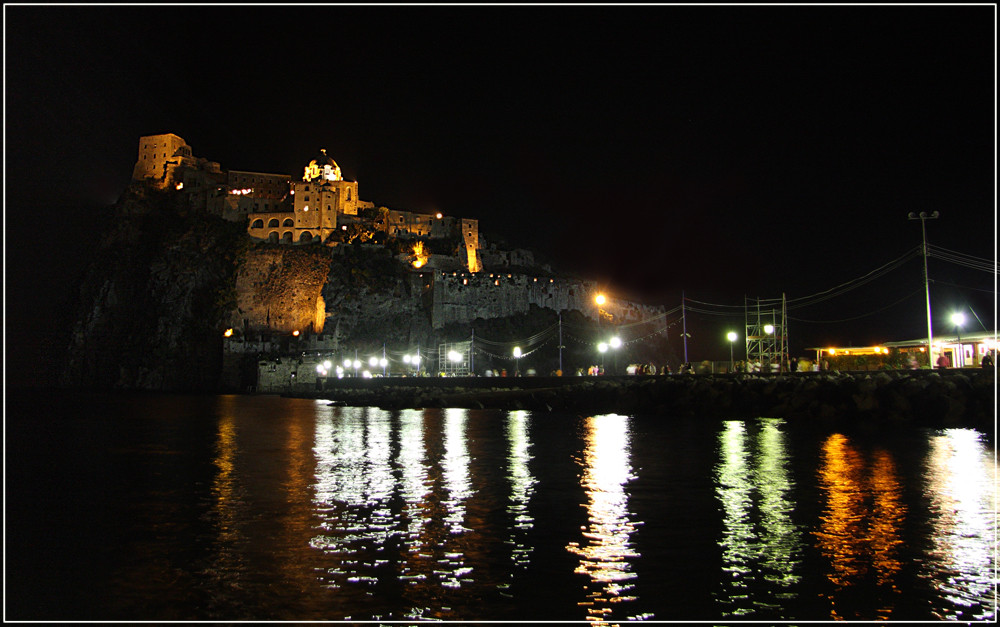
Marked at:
<point>725,151</point>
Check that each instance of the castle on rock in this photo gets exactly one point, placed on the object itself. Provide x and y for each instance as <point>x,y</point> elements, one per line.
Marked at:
<point>322,207</point>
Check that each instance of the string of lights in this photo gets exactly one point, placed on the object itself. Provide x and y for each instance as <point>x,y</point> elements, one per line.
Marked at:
<point>526,342</point>
<point>509,357</point>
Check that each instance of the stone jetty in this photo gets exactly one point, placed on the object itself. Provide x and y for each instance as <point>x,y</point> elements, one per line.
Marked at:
<point>957,397</point>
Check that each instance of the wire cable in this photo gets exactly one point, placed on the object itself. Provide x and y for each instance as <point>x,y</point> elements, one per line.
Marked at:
<point>910,295</point>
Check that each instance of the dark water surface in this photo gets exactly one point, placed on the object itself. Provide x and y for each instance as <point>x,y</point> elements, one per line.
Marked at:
<point>241,508</point>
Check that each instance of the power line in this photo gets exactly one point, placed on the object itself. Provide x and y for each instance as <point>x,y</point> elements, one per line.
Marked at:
<point>910,295</point>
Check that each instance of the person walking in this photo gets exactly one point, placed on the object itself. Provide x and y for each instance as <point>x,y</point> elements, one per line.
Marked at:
<point>943,361</point>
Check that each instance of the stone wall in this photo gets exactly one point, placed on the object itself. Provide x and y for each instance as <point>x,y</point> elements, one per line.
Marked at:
<point>463,297</point>
<point>280,289</point>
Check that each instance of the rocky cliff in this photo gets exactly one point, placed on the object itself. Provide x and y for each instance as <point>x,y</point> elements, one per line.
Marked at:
<point>149,310</point>
<point>169,282</point>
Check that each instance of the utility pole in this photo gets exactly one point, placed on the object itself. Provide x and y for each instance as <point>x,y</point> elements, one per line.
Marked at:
<point>923,217</point>
<point>560,342</point>
<point>684,322</point>
<point>472,350</point>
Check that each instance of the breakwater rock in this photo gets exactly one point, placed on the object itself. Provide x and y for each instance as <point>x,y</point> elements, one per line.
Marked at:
<point>922,397</point>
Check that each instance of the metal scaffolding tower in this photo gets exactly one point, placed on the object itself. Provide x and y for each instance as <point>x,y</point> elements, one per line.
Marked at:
<point>454,360</point>
<point>766,332</point>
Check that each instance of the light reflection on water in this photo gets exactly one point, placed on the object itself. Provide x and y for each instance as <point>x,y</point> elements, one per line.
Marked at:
<point>261,508</point>
<point>228,563</point>
<point>860,529</point>
<point>522,486</point>
<point>761,545</point>
<point>960,475</point>
<point>606,551</point>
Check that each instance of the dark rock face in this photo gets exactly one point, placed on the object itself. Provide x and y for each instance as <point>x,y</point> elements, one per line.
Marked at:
<point>150,309</point>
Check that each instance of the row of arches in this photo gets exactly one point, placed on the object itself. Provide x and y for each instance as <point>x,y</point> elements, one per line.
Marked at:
<point>272,223</point>
<point>286,238</point>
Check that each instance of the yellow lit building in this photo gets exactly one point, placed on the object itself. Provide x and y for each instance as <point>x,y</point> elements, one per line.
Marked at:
<point>166,160</point>
<point>280,210</point>
<point>967,353</point>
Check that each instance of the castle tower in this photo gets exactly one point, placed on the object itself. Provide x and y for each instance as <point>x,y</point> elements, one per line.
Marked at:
<point>321,195</point>
<point>159,155</point>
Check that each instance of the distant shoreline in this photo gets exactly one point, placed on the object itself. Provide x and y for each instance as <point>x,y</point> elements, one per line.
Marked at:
<point>956,397</point>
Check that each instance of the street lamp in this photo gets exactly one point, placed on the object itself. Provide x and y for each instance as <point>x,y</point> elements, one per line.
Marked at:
<point>923,217</point>
<point>958,319</point>
<point>615,343</point>
<point>731,336</point>
<point>517,361</point>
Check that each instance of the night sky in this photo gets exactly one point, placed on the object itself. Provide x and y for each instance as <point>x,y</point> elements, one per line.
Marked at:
<point>724,151</point>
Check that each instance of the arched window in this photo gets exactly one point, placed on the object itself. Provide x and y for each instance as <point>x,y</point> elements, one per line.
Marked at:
<point>272,222</point>
<point>305,238</point>
<point>286,237</point>
<point>257,224</point>
<point>272,237</point>
<point>287,222</point>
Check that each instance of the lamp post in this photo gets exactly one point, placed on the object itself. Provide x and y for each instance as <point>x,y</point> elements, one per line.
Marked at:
<point>923,217</point>
<point>602,348</point>
<point>615,343</point>
<point>517,361</point>
<point>958,319</point>
<point>731,336</point>
<point>599,300</point>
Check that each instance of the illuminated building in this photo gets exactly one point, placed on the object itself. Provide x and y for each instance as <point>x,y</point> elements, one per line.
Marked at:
<point>279,210</point>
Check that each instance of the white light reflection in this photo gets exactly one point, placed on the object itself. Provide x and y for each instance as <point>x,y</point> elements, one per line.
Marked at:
<point>412,466</point>
<point>354,485</point>
<point>782,539</point>
<point>960,472</point>
<point>761,546</point>
<point>606,551</point>
<point>739,548</point>
<point>455,469</point>
<point>522,485</point>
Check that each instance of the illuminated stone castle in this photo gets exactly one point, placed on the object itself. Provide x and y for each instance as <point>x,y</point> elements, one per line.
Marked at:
<point>320,208</point>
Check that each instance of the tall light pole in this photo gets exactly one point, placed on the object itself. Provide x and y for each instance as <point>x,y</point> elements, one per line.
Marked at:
<point>958,319</point>
<point>731,336</point>
<point>923,217</point>
<point>517,361</point>
<point>615,343</point>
